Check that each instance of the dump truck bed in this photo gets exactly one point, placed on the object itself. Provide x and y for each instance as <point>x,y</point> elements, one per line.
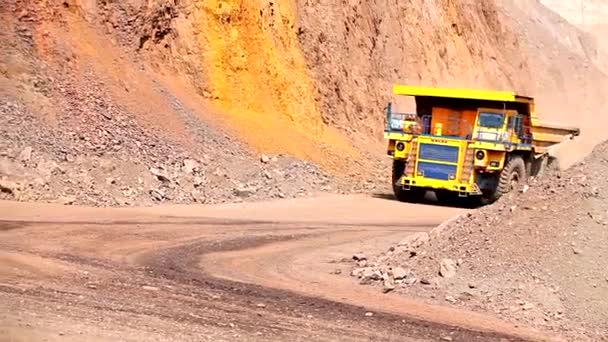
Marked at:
<point>544,134</point>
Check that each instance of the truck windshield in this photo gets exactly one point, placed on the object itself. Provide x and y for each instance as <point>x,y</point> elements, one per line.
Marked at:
<point>491,120</point>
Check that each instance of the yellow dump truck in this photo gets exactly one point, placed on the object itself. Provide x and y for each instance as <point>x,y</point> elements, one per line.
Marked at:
<point>465,143</point>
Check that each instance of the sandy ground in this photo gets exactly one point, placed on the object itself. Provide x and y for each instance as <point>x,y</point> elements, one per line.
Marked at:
<point>255,271</point>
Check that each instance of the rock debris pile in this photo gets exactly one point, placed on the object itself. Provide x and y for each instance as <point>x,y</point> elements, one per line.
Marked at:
<point>115,162</point>
<point>536,256</point>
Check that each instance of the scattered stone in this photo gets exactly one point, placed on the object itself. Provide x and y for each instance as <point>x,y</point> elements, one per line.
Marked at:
<point>157,195</point>
<point>261,305</point>
<point>528,306</point>
<point>244,192</point>
<point>8,187</point>
<point>38,181</point>
<point>447,338</point>
<point>106,114</point>
<point>399,273</point>
<point>160,174</point>
<point>410,281</point>
<point>66,200</point>
<point>389,285</point>
<point>337,271</point>
<point>264,159</point>
<point>150,288</point>
<point>369,314</point>
<point>268,175</point>
<point>359,257</point>
<point>369,275</point>
<point>198,181</point>
<point>415,240</point>
<point>47,168</point>
<point>358,272</point>
<point>450,299</point>
<point>219,173</point>
<point>26,154</point>
<point>577,251</point>
<point>362,263</point>
<point>425,281</point>
<point>190,166</point>
<point>447,268</point>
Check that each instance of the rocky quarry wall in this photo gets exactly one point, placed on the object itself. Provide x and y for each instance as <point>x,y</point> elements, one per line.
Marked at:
<point>156,82</point>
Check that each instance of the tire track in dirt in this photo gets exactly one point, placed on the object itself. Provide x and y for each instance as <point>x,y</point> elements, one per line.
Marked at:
<point>181,264</point>
<point>141,276</point>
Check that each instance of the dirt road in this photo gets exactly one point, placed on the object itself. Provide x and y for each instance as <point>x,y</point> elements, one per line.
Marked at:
<point>261,271</point>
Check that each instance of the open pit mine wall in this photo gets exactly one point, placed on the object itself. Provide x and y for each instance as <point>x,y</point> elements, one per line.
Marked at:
<point>291,76</point>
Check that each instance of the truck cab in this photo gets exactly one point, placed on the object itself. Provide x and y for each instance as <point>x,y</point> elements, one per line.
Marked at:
<point>465,143</point>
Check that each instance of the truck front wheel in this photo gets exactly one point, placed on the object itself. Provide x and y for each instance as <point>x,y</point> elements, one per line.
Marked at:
<point>402,195</point>
<point>511,177</point>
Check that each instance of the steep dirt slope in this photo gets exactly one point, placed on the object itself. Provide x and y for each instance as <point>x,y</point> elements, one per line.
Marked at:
<point>536,257</point>
<point>85,120</point>
<point>358,50</point>
<point>591,16</point>
<point>242,57</point>
<point>279,70</point>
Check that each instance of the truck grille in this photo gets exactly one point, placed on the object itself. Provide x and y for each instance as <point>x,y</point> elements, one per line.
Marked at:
<point>436,171</point>
<point>443,153</point>
<point>433,158</point>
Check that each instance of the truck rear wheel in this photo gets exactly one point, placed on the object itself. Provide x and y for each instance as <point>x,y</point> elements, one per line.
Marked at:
<point>402,195</point>
<point>511,177</point>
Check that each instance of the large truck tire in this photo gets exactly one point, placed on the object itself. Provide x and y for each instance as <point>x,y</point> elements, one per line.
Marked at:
<point>511,177</point>
<point>402,195</point>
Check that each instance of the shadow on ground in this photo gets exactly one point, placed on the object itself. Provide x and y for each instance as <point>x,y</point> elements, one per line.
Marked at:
<point>431,199</point>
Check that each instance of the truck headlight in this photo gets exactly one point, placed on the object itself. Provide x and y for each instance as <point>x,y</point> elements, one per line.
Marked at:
<point>480,155</point>
<point>400,146</point>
